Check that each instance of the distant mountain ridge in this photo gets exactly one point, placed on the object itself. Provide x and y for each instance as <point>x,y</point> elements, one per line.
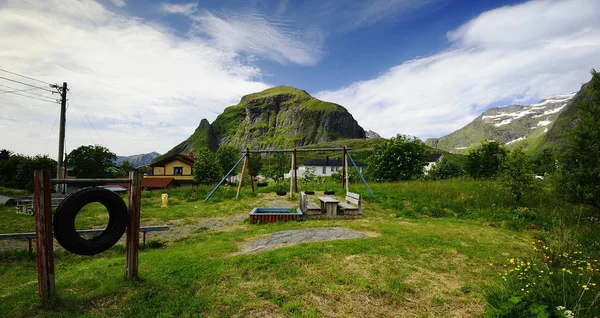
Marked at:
<point>138,160</point>
<point>279,117</point>
<point>513,125</point>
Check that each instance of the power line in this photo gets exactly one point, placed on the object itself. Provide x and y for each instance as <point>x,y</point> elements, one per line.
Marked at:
<point>89,121</point>
<point>83,121</point>
<point>51,130</point>
<point>31,78</point>
<point>8,79</point>
<point>27,92</point>
<point>17,90</point>
<point>43,100</point>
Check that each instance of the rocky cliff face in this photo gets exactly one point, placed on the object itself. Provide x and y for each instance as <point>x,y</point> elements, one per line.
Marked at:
<point>513,125</point>
<point>279,117</point>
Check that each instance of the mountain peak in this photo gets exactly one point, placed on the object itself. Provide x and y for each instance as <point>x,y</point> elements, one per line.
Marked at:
<point>286,91</point>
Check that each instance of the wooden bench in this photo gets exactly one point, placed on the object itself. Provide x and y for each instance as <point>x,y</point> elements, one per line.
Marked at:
<point>308,208</point>
<point>31,236</point>
<point>347,208</point>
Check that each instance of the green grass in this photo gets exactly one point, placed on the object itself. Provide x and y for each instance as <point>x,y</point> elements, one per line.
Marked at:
<point>414,264</point>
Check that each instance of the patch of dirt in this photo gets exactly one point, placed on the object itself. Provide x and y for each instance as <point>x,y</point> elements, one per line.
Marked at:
<point>293,237</point>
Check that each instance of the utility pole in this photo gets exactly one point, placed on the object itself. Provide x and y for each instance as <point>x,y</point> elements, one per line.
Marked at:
<point>61,134</point>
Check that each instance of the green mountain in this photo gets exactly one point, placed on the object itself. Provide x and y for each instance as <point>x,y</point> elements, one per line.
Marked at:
<point>138,160</point>
<point>514,125</point>
<point>279,117</point>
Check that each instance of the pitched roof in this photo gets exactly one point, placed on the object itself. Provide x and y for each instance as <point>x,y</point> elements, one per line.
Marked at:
<point>330,162</point>
<point>433,157</point>
<point>181,157</point>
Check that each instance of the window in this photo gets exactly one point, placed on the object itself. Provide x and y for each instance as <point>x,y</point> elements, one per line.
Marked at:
<point>324,169</point>
<point>331,168</point>
<point>178,171</point>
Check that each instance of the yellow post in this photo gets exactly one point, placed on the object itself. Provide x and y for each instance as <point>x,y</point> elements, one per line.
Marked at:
<point>165,200</point>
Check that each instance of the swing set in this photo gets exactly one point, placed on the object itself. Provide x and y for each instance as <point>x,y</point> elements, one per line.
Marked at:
<point>246,157</point>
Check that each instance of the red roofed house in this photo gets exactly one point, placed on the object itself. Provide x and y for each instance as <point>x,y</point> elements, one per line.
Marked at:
<point>172,171</point>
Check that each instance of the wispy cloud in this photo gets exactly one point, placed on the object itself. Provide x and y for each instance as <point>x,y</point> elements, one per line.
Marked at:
<point>254,34</point>
<point>520,53</point>
<point>119,3</point>
<point>179,8</point>
<point>141,86</point>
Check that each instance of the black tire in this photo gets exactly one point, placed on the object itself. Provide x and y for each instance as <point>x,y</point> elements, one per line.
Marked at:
<point>328,192</point>
<point>262,184</point>
<point>64,221</point>
<point>309,192</point>
<point>281,193</point>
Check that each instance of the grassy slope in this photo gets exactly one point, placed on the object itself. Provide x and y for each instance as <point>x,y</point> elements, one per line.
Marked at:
<point>416,266</point>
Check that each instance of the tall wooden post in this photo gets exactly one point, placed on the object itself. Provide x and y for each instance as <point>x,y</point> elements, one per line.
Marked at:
<point>295,171</point>
<point>250,169</point>
<point>242,177</point>
<point>132,244</point>
<point>347,173</point>
<point>343,166</point>
<point>61,135</point>
<point>43,230</point>
<point>292,178</point>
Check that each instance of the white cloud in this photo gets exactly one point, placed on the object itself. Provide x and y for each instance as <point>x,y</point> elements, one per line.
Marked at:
<point>119,3</point>
<point>254,34</point>
<point>183,8</point>
<point>143,88</point>
<point>523,52</point>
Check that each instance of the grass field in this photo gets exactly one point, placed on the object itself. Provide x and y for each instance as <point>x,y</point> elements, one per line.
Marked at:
<point>439,250</point>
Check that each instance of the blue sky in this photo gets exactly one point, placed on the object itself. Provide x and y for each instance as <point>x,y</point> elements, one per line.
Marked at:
<point>143,74</point>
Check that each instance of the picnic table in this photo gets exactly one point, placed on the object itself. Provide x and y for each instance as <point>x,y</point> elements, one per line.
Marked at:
<point>329,206</point>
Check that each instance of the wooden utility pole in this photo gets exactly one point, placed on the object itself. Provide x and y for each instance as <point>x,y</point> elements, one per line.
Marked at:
<point>61,133</point>
<point>250,169</point>
<point>237,195</point>
<point>43,228</point>
<point>346,172</point>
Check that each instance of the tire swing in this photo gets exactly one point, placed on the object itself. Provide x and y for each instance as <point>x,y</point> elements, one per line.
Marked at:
<point>64,221</point>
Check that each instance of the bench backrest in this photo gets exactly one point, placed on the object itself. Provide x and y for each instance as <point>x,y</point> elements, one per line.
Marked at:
<point>353,198</point>
<point>303,201</point>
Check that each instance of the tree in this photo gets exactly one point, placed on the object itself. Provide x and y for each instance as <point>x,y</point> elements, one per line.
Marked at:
<point>580,161</point>
<point>517,174</point>
<point>228,157</point>
<point>5,154</point>
<point>485,162</point>
<point>207,169</point>
<point>448,167</point>
<point>124,168</point>
<point>399,158</point>
<point>17,171</point>
<point>91,162</point>
<point>278,167</point>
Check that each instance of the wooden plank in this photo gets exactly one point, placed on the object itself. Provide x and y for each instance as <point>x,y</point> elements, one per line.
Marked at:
<point>352,200</point>
<point>353,195</point>
<point>32,235</point>
<point>132,244</point>
<point>43,228</point>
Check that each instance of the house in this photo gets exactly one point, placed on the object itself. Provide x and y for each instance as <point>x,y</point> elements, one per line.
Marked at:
<point>324,167</point>
<point>177,168</point>
<point>432,160</point>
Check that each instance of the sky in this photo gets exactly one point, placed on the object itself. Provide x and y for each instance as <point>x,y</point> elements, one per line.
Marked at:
<point>142,74</point>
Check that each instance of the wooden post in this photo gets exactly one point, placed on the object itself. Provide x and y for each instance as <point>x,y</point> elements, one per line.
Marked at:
<point>295,172</point>
<point>250,169</point>
<point>133,229</point>
<point>292,178</point>
<point>347,173</point>
<point>43,230</point>
<point>241,177</point>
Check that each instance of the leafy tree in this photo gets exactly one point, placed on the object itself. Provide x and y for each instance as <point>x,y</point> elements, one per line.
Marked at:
<point>91,161</point>
<point>17,171</point>
<point>5,154</point>
<point>124,168</point>
<point>399,158</point>
<point>448,167</point>
<point>580,161</point>
<point>517,174</point>
<point>485,162</point>
<point>279,166</point>
<point>207,169</point>
<point>256,164</point>
<point>228,156</point>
